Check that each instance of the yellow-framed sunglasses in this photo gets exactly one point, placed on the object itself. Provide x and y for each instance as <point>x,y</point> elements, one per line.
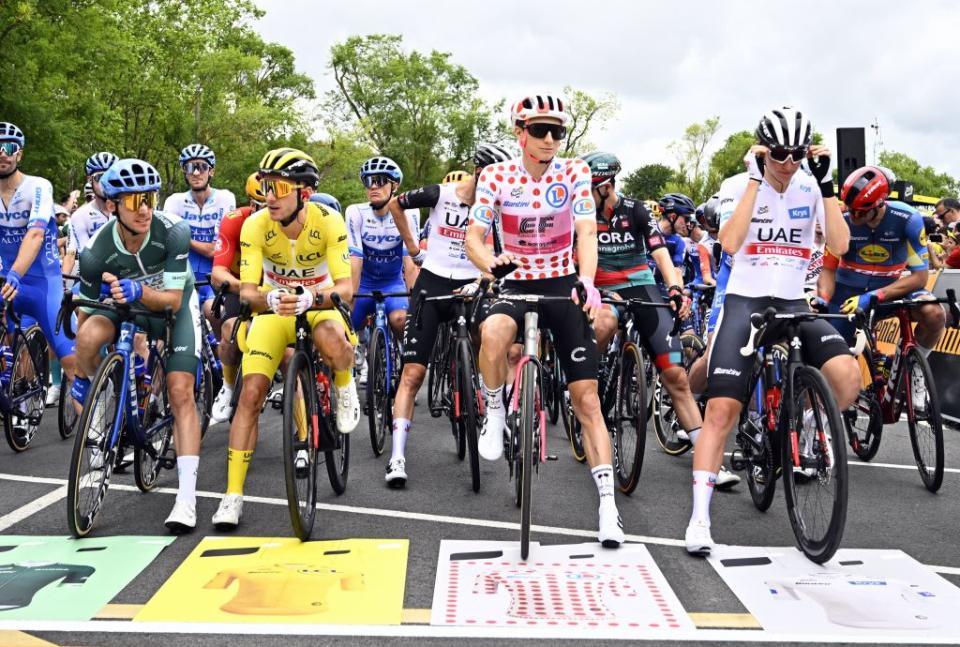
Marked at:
<point>280,188</point>
<point>133,201</point>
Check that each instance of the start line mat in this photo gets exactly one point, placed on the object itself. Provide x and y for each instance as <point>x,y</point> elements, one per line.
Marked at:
<point>60,578</point>
<point>579,586</point>
<point>865,593</point>
<point>271,580</point>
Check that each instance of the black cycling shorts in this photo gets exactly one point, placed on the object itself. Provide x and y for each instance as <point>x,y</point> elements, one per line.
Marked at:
<point>573,337</point>
<point>654,326</point>
<point>418,342</point>
<point>729,372</point>
<point>230,306</point>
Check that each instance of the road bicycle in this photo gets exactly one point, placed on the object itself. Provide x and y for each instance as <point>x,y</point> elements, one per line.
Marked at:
<point>24,368</point>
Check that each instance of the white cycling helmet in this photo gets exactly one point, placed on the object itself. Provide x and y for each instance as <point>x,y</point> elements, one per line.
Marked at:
<point>784,128</point>
<point>539,105</point>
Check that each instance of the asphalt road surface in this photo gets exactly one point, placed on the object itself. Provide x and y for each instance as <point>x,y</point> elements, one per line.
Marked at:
<point>889,508</point>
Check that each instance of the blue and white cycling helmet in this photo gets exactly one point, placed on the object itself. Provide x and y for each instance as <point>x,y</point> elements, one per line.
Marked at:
<point>129,176</point>
<point>327,200</point>
<point>10,133</point>
<point>198,152</point>
<point>381,166</point>
<point>100,162</point>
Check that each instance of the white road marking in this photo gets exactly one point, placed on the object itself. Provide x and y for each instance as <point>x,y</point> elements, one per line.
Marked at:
<point>889,466</point>
<point>34,506</point>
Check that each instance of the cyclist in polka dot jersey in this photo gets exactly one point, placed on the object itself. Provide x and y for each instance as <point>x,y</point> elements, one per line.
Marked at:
<point>536,203</point>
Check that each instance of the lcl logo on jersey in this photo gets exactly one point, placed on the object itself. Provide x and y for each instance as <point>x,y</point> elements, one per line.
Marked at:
<point>556,195</point>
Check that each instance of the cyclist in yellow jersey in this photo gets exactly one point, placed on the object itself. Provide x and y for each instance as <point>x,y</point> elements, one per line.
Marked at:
<point>290,244</point>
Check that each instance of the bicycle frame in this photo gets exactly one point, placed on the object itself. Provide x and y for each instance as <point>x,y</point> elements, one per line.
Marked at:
<point>531,345</point>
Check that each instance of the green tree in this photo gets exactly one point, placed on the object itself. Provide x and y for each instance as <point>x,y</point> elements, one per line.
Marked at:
<point>690,151</point>
<point>422,110</point>
<point>727,161</point>
<point>926,180</point>
<point>587,113</point>
<point>648,181</point>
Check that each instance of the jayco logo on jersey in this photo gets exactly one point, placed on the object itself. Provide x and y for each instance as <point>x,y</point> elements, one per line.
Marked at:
<point>799,213</point>
<point>380,238</point>
<point>556,195</point>
<point>15,215</point>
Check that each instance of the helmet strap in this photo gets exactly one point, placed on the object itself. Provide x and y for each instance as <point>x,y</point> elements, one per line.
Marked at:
<point>286,222</point>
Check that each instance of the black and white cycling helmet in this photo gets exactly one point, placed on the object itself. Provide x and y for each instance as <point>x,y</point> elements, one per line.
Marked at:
<point>11,133</point>
<point>99,162</point>
<point>487,154</point>
<point>784,128</point>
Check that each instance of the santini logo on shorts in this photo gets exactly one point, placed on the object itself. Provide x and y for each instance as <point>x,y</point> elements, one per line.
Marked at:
<point>726,371</point>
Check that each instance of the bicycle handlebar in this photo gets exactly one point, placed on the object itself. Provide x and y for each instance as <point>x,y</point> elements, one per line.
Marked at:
<point>759,321</point>
<point>950,300</point>
<point>124,310</point>
<point>477,297</point>
<point>677,321</point>
<point>377,295</point>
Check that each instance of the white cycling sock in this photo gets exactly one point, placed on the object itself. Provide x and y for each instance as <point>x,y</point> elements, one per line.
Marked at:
<point>401,426</point>
<point>693,433</point>
<point>703,484</point>
<point>494,398</point>
<point>603,477</point>
<point>187,476</point>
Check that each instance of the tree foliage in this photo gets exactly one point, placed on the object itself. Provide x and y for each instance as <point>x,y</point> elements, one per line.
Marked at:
<point>926,180</point>
<point>691,153</point>
<point>587,114</point>
<point>648,181</point>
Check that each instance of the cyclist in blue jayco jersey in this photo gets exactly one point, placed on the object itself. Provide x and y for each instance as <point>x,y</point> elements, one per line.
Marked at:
<point>28,245</point>
<point>203,207</point>
<point>378,257</point>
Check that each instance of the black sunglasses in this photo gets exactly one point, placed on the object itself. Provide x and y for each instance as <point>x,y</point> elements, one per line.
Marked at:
<point>781,154</point>
<point>540,131</point>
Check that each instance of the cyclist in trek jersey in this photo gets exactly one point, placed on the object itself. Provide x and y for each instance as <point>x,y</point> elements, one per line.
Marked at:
<point>90,216</point>
<point>767,221</point>
<point>28,247</point>
<point>886,238</point>
<point>203,207</point>
<point>378,258</point>
<point>538,201</point>
<point>141,256</point>
<point>700,251</point>
<point>445,269</point>
<point>226,269</point>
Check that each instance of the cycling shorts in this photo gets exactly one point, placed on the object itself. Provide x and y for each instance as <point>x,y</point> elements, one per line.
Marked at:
<point>230,306</point>
<point>843,292</point>
<point>185,340</point>
<point>38,300</point>
<point>729,372</point>
<point>366,306</point>
<point>269,334</point>
<point>654,326</point>
<point>574,338</point>
<point>205,292</point>
<point>418,342</point>
<point>719,293</point>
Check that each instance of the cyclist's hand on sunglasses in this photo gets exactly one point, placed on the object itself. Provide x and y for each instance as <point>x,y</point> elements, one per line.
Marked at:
<point>753,160</point>
<point>819,162</point>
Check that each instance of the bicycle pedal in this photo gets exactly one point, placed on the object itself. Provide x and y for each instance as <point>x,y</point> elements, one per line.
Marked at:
<point>737,462</point>
<point>552,457</point>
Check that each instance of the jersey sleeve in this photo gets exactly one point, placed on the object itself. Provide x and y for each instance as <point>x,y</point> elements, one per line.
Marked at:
<point>413,218</point>
<point>73,245</point>
<point>354,220</point>
<point>176,267</point>
<point>729,195</point>
<point>41,205</point>
<point>679,252</point>
<point>485,208</point>
<point>251,254</point>
<point>228,239</point>
<point>645,229</point>
<point>426,197</point>
<point>338,250</point>
<point>830,260</point>
<point>169,205</point>
<point>918,256</point>
<point>582,203</point>
<point>91,270</point>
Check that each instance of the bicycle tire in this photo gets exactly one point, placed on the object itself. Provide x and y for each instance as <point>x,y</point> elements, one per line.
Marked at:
<point>205,395</point>
<point>299,412</point>
<point>527,427</point>
<point>67,415</point>
<point>551,380</point>
<point>665,423</point>
<point>863,422</point>
<point>630,423</point>
<point>809,385</point>
<point>337,460</point>
<point>146,468</point>
<point>932,477</point>
<point>469,409</point>
<point>235,397</point>
<point>91,451</point>
<point>378,399</point>
<point>760,470</point>
<point>28,374</point>
<point>572,427</point>
<point>436,373</point>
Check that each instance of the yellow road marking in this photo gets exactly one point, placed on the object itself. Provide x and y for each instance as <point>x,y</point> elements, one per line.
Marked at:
<point>118,612</point>
<point>21,639</point>
<point>415,617</point>
<point>724,621</point>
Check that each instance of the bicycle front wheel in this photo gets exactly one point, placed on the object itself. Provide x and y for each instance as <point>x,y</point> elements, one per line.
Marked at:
<point>27,390</point>
<point>378,399</point>
<point>149,458</point>
<point>864,424</point>
<point>67,409</point>
<point>91,463</point>
<point>923,419</point>
<point>529,424</point>
<point>437,375</point>
<point>300,444</point>
<point>469,414</point>
<point>631,419</point>
<point>205,394</point>
<point>814,463</point>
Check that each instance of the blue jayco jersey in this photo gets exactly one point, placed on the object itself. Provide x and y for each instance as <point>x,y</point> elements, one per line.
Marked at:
<point>30,208</point>
<point>204,221</point>
<point>376,240</point>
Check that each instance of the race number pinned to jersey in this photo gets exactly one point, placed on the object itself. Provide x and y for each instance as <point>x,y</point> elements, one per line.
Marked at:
<point>264,580</point>
<point>579,590</point>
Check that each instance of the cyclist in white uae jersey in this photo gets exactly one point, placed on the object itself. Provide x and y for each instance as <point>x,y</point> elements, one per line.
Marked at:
<point>537,201</point>
<point>768,217</point>
<point>90,216</point>
<point>445,269</point>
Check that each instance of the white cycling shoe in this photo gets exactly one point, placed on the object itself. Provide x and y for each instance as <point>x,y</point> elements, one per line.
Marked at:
<point>348,407</point>
<point>221,405</point>
<point>227,516</point>
<point>610,533</point>
<point>726,479</point>
<point>698,539</point>
<point>397,473</point>
<point>490,442</point>
<point>182,519</point>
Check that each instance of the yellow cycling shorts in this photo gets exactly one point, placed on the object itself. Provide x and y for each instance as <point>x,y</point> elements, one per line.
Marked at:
<point>265,341</point>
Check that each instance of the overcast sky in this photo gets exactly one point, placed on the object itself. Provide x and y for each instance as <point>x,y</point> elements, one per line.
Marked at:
<point>672,63</point>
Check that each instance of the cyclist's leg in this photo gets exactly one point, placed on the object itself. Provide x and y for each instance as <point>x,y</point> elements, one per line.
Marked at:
<point>497,333</point>
<point>698,372</point>
<point>931,321</point>
<point>362,308</point>
<point>336,347</point>
<point>397,309</point>
<point>606,324</point>
<point>39,299</point>
<point>95,331</point>
<point>825,348</point>
<point>229,358</point>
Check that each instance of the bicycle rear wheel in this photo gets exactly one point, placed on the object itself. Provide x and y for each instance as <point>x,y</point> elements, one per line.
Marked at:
<point>528,425</point>
<point>469,413</point>
<point>378,399</point>
<point>27,390</point>
<point>630,419</point>
<point>573,427</point>
<point>551,380</point>
<point>923,419</point>
<point>817,504</point>
<point>300,444</point>
<point>91,462</point>
<point>149,459</point>
<point>338,459</point>
<point>760,463</point>
<point>205,394</point>
<point>67,415</point>
<point>665,422</point>
<point>438,373</point>
<point>864,424</point>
